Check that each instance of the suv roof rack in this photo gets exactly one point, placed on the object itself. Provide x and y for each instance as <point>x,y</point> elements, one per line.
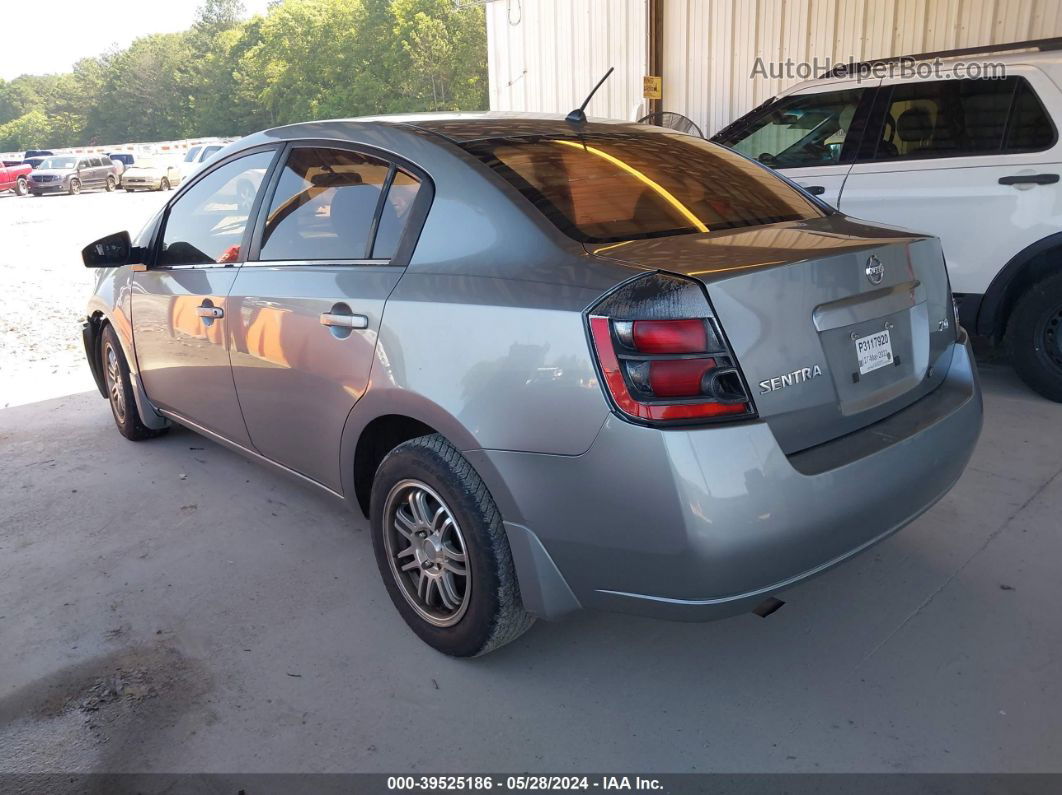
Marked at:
<point>1032,44</point>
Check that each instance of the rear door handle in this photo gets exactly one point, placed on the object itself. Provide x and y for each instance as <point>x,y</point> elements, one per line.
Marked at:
<point>1029,179</point>
<point>344,321</point>
<point>814,190</point>
<point>209,311</point>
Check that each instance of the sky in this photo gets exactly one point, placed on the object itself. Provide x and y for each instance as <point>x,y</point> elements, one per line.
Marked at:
<point>72,29</point>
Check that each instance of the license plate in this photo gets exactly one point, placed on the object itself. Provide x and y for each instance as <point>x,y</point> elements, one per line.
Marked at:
<point>873,351</point>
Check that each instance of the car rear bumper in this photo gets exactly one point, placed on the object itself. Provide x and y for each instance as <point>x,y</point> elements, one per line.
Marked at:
<point>697,524</point>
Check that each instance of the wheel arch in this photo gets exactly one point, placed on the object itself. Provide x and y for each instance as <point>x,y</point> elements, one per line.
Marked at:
<point>1024,269</point>
<point>382,420</point>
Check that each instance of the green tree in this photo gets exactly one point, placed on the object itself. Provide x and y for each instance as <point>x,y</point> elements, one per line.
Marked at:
<point>29,131</point>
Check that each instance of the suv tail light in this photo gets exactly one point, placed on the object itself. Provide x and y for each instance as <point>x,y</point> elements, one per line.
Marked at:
<point>662,354</point>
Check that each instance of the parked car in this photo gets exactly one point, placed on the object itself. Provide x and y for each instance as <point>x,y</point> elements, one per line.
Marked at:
<point>36,153</point>
<point>195,157</point>
<point>123,159</point>
<point>554,370</point>
<point>974,161</point>
<point>72,174</point>
<point>35,161</point>
<point>151,174</point>
<point>13,177</point>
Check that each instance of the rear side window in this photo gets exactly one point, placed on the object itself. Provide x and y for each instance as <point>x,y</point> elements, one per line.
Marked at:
<point>325,206</point>
<point>801,130</point>
<point>394,214</point>
<point>962,118</point>
<point>604,188</point>
<point>1029,127</point>
<point>206,225</point>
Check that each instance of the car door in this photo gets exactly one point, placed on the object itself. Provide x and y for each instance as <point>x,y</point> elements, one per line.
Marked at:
<point>180,312</point>
<point>975,162</point>
<point>811,136</point>
<point>95,179</point>
<point>307,309</point>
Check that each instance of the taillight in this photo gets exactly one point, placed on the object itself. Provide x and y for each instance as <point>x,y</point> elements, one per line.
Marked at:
<point>662,354</point>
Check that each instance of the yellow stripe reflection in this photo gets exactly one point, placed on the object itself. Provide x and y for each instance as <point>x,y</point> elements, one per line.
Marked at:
<point>664,193</point>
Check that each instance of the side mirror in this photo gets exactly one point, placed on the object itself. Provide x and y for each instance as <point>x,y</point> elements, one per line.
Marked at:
<point>112,251</point>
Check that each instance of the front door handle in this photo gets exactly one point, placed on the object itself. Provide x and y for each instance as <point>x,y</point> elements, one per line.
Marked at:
<point>207,310</point>
<point>814,190</point>
<point>1029,179</point>
<point>344,321</point>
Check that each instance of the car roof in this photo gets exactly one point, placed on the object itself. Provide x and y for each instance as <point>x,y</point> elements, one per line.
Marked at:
<point>465,127</point>
<point>1041,58</point>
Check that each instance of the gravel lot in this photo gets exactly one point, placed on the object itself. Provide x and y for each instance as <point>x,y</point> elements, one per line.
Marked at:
<point>170,606</point>
<point>45,286</point>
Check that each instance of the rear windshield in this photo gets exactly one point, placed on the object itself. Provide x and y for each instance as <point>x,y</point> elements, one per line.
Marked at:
<point>604,188</point>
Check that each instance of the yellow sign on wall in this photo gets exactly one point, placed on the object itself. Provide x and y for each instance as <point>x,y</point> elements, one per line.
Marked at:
<point>652,87</point>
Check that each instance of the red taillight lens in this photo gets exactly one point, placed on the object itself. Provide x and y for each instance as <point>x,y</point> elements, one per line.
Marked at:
<point>679,377</point>
<point>670,336</point>
<point>665,369</point>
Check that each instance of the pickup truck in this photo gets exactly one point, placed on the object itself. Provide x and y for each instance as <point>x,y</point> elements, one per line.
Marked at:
<point>15,178</point>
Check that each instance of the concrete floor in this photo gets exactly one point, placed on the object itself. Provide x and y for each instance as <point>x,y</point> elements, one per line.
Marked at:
<point>248,629</point>
<point>169,606</point>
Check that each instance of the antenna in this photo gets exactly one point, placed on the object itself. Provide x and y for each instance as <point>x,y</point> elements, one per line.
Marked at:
<point>578,116</point>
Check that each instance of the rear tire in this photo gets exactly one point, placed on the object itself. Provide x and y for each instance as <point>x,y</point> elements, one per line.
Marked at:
<point>434,522</point>
<point>111,185</point>
<point>120,390</point>
<point>21,186</point>
<point>128,190</point>
<point>1034,337</point>
<point>164,184</point>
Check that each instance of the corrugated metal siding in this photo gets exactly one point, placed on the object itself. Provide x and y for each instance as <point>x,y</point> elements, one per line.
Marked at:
<point>714,90</point>
<point>546,54</point>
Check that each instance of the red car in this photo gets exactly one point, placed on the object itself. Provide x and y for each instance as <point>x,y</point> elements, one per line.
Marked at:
<point>15,177</point>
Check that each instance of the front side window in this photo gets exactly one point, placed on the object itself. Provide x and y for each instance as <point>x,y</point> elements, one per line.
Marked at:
<point>798,131</point>
<point>190,155</point>
<point>206,225</point>
<point>604,188</point>
<point>94,162</point>
<point>325,206</point>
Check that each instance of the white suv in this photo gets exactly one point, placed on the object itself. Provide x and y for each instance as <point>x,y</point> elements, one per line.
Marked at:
<point>975,162</point>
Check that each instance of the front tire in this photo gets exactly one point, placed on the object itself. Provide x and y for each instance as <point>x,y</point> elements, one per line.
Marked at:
<point>442,551</point>
<point>120,390</point>
<point>75,187</point>
<point>21,186</point>
<point>1034,337</point>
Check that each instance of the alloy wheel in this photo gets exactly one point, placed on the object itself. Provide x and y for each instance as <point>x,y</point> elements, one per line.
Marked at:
<point>115,387</point>
<point>427,553</point>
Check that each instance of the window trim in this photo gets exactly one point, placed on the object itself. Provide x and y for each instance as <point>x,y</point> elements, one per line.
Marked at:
<point>410,233</point>
<point>875,129</point>
<point>160,233</point>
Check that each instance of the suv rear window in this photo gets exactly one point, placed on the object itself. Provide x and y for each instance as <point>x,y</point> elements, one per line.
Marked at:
<point>604,188</point>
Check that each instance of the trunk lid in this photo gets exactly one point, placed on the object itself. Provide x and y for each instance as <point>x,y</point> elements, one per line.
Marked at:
<point>799,301</point>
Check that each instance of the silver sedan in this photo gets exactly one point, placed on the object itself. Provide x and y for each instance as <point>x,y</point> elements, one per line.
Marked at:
<point>558,364</point>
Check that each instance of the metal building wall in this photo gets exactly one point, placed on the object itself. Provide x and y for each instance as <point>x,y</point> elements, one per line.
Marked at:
<point>546,54</point>
<point>710,46</point>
